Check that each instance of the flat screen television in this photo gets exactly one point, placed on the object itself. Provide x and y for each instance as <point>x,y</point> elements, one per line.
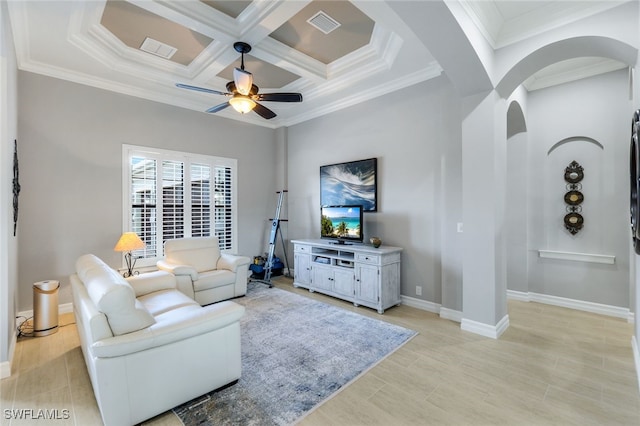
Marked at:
<point>342,224</point>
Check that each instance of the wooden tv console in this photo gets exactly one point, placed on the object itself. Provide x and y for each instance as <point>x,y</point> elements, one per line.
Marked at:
<point>357,273</point>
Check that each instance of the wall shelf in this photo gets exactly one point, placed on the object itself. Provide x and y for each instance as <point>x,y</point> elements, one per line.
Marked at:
<point>577,257</point>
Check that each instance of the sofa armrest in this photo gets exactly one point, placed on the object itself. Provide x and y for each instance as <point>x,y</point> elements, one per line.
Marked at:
<point>153,281</point>
<point>232,262</point>
<point>173,326</point>
<point>176,269</point>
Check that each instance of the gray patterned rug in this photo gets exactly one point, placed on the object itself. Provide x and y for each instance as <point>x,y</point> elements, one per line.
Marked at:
<point>296,352</point>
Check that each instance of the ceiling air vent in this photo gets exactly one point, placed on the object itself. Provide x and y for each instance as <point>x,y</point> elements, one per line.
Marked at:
<point>323,22</point>
<point>154,47</point>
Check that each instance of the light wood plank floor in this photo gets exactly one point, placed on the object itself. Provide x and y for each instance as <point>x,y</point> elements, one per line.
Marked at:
<point>553,366</point>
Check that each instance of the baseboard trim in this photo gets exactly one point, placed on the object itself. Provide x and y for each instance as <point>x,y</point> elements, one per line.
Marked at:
<point>5,366</point>
<point>518,295</point>
<point>486,330</point>
<point>581,305</point>
<point>450,314</point>
<point>425,305</point>
<point>65,308</point>
<point>636,357</point>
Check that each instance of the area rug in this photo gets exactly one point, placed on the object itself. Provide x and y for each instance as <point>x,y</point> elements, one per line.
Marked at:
<point>296,353</point>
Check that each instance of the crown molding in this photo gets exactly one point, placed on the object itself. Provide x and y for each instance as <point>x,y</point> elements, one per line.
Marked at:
<point>598,66</point>
<point>486,17</point>
<point>433,70</point>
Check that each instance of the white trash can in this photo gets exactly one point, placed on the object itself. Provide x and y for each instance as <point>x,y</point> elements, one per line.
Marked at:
<point>45,307</point>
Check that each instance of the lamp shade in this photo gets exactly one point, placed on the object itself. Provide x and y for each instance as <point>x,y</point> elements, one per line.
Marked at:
<point>242,104</point>
<point>129,241</point>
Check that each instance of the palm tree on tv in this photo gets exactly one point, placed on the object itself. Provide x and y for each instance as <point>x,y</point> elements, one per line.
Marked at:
<point>326,225</point>
<point>342,229</point>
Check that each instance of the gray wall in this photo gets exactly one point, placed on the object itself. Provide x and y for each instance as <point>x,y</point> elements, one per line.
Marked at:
<point>415,135</point>
<point>8,243</point>
<point>594,108</point>
<point>71,140</point>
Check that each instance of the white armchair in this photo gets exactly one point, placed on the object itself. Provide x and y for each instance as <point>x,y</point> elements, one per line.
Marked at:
<point>202,271</point>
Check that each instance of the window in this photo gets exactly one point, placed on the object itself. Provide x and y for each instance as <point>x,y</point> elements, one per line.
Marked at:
<point>170,194</point>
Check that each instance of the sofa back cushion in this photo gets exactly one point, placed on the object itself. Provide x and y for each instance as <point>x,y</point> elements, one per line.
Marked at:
<point>113,296</point>
<point>202,253</point>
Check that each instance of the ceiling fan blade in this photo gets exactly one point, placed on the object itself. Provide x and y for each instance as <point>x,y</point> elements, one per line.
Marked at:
<point>201,89</point>
<point>243,80</point>
<point>279,97</point>
<point>218,107</point>
<point>264,112</point>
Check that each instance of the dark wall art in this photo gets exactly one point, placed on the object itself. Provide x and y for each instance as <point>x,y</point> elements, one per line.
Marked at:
<point>350,183</point>
<point>634,168</point>
<point>573,175</point>
<point>16,186</point>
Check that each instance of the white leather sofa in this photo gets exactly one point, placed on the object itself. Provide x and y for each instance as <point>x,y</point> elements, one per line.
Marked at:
<point>148,347</point>
<point>202,271</point>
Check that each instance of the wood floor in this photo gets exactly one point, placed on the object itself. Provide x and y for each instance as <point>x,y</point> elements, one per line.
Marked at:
<point>553,366</point>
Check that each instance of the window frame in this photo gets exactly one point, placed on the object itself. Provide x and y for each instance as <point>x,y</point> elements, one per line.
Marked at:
<point>160,155</point>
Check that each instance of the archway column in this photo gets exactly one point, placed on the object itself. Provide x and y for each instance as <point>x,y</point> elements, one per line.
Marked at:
<point>484,177</point>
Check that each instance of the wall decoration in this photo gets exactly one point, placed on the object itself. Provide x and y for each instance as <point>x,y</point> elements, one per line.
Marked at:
<point>16,186</point>
<point>634,169</point>
<point>573,175</point>
<point>350,183</point>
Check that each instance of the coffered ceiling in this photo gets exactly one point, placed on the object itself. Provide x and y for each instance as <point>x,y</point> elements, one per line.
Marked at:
<point>335,53</point>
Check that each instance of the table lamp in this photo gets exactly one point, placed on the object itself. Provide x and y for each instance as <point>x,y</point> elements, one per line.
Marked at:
<point>129,241</point>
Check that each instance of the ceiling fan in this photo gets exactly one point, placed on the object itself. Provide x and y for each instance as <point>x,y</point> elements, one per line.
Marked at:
<point>243,93</point>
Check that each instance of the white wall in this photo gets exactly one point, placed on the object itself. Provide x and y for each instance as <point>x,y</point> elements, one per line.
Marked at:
<point>8,243</point>
<point>71,140</point>
<point>594,108</point>
<point>415,135</point>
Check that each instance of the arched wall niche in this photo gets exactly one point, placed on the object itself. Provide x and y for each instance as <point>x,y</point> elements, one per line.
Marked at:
<point>576,47</point>
<point>516,206</point>
<point>516,122</point>
<point>574,139</point>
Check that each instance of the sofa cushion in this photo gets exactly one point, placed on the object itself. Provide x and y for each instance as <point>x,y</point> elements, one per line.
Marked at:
<point>213,279</point>
<point>202,252</point>
<point>113,296</point>
<point>163,301</point>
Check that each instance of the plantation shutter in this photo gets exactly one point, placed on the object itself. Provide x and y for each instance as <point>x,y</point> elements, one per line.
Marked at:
<point>171,195</point>
<point>200,200</point>
<point>172,200</point>
<point>144,203</point>
<point>224,206</point>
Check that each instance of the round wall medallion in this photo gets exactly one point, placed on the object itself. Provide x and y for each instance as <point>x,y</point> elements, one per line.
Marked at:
<point>573,198</point>
<point>573,222</point>
<point>574,173</point>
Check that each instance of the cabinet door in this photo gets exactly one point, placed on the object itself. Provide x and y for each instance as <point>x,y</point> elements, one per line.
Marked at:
<point>302,268</point>
<point>322,278</point>
<point>367,283</point>
<point>343,281</point>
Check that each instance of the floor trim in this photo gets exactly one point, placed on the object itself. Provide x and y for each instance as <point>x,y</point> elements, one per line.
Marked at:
<point>636,357</point>
<point>5,366</point>
<point>486,330</point>
<point>581,305</point>
<point>65,308</point>
<point>425,305</point>
<point>450,314</point>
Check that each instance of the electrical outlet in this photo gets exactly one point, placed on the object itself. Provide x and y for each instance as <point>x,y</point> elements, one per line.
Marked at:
<point>418,290</point>
<point>460,227</point>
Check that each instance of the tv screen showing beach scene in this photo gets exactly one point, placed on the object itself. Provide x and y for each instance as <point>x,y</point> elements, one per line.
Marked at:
<point>342,222</point>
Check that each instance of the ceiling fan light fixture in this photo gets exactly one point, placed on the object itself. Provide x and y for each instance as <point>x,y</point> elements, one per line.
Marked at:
<point>243,80</point>
<point>242,104</point>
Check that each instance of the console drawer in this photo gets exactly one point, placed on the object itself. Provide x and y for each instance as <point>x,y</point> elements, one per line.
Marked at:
<point>370,259</point>
<point>300,248</point>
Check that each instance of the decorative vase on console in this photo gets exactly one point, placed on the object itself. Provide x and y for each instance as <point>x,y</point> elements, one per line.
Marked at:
<point>375,241</point>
